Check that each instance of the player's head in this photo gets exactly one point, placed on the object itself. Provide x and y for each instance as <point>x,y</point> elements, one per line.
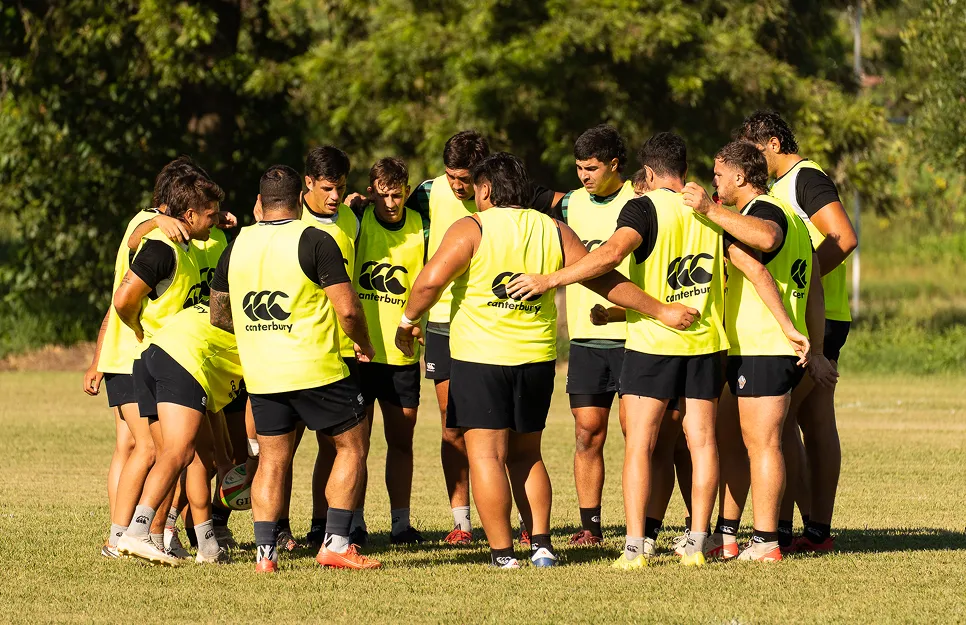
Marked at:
<point>771,134</point>
<point>663,156</point>
<point>389,188</point>
<point>600,154</point>
<point>195,200</point>
<point>462,152</point>
<point>279,189</point>
<point>739,167</point>
<point>326,168</point>
<point>501,180</point>
<point>639,182</point>
<point>178,167</point>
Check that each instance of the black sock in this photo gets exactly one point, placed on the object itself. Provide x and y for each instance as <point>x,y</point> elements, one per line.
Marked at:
<point>804,520</point>
<point>338,521</point>
<point>727,526</point>
<point>540,541</point>
<point>283,526</point>
<point>652,527</point>
<point>499,557</point>
<point>785,535</point>
<point>590,520</point>
<point>266,533</point>
<point>765,537</point>
<point>192,537</point>
<point>687,523</point>
<point>817,532</point>
<point>219,516</point>
<point>318,525</point>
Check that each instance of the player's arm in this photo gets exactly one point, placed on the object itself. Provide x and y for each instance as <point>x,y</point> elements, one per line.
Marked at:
<point>601,316</point>
<point>93,377</point>
<point>450,261</point>
<point>819,367</point>
<point>616,288</point>
<point>321,261</point>
<point>172,227</point>
<point>818,197</point>
<point>219,302</point>
<point>128,299</point>
<point>759,234</point>
<point>745,261</point>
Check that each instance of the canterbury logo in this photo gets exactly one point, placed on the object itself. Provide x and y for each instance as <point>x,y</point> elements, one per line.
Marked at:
<point>264,306</point>
<point>376,276</point>
<point>590,245</point>
<point>685,271</point>
<point>198,294</point>
<point>800,272</point>
<point>500,282</point>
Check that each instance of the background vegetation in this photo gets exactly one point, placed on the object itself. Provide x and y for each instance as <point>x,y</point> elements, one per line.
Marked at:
<point>95,96</point>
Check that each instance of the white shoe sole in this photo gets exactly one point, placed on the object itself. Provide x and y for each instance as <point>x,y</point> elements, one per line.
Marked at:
<point>143,551</point>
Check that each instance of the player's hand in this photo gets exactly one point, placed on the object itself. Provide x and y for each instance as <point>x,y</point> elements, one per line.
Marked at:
<point>364,353</point>
<point>172,228</point>
<point>226,220</point>
<point>356,202</point>
<point>257,209</point>
<point>800,344</point>
<point>406,337</point>
<point>697,198</point>
<point>139,333</point>
<point>823,371</point>
<point>92,381</point>
<point>678,316</point>
<point>528,286</point>
<point>599,316</point>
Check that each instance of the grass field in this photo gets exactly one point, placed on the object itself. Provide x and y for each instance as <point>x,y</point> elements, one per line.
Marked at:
<point>899,521</point>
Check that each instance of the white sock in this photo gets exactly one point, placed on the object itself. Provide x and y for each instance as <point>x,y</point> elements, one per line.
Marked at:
<point>400,520</point>
<point>158,540</point>
<point>461,518</point>
<point>336,543</point>
<point>170,527</point>
<point>358,520</point>
<point>206,538</point>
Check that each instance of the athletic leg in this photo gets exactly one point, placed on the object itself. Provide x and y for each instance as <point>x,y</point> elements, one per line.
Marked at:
<point>662,478</point>
<point>399,425</point>
<point>643,423</point>
<point>131,481</point>
<point>824,452</point>
<point>590,429</point>
<point>699,429</point>
<point>453,454</point>
<point>123,447</point>
<point>487,454</point>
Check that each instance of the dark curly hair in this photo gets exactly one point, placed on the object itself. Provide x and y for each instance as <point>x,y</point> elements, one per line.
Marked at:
<point>602,142</point>
<point>748,159</point>
<point>761,126</point>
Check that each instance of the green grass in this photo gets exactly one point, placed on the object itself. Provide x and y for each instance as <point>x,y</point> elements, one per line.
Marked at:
<point>899,520</point>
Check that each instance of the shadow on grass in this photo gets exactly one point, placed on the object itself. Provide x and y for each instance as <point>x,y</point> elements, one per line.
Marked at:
<point>892,540</point>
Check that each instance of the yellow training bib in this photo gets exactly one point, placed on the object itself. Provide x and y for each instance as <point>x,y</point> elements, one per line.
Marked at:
<point>208,353</point>
<point>344,228</point>
<point>752,329</point>
<point>594,224</point>
<point>286,329</point>
<point>387,263</point>
<point>444,211</point>
<point>208,252</point>
<point>833,282</point>
<point>487,326</point>
<point>119,345</point>
<point>686,266</point>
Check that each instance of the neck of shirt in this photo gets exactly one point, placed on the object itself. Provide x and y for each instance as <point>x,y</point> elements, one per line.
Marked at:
<point>320,217</point>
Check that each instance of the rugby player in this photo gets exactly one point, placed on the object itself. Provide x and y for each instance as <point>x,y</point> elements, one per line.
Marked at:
<point>811,193</point>
<point>114,358</point>
<point>192,369</point>
<point>504,351</point>
<point>162,279</point>
<point>286,284</point>
<point>596,343</point>
<point>389,256</point>
<point>766,354</point>
<point>678,257</point>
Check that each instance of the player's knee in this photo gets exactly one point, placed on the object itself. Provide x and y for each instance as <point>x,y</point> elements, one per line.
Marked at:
<point>589,439</point>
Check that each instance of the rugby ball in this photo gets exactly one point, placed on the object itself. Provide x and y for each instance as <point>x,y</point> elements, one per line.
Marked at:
<point>235,492</point>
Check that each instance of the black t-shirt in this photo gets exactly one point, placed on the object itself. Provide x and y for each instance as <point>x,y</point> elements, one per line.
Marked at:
<point>768,212</point>
<point>154,262</point>
<point>814,190</point>
<point>319,258</point>
<point>640,215</point>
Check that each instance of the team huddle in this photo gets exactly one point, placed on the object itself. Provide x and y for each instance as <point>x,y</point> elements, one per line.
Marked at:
<point>217,356</point>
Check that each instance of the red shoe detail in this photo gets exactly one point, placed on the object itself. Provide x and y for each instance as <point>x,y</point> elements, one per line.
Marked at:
<point>459,537</point>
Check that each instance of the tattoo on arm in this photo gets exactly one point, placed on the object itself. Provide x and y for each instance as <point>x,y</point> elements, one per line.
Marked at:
<point>221,311</point>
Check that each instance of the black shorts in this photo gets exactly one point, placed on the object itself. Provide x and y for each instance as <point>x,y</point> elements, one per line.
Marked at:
<point>439,363</point>
<point>836,332</point>
<point>763,376</point>
<point>238,404</point>
<point>394,384</point>
<point>494,397</point>
<point>668,377</point>
<point>331,409</point>
<point>594,371</point>
<point>120,389</point>
<point>159,378</point>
